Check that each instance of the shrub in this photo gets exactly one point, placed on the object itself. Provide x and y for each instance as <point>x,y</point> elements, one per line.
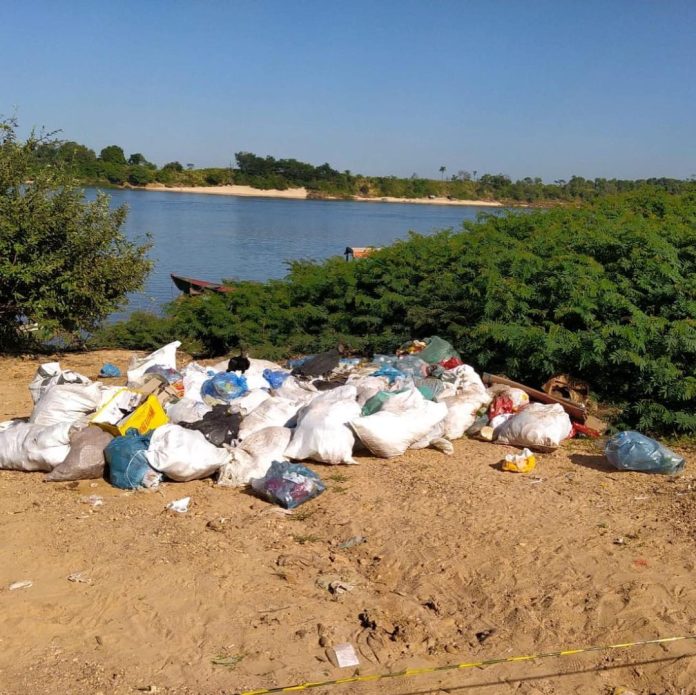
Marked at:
<point>606,292</point>
<point>64,262</point>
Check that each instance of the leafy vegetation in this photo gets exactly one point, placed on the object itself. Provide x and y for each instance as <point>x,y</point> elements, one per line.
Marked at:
<point>112,167</point>
<point>64,262</point>
<point>606,292</point>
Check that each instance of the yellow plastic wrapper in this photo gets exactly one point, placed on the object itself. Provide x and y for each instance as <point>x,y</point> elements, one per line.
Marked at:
<point>523,462</point>
<point>145,414</point>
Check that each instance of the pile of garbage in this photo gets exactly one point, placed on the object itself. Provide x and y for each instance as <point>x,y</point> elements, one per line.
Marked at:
<point>253,426</point>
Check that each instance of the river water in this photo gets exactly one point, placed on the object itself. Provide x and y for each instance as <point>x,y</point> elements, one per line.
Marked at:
<point>212,237</point>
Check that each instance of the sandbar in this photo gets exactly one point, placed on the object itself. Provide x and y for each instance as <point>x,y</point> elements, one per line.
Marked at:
<point>302,194</point>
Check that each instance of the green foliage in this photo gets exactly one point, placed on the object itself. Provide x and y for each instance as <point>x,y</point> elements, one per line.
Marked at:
<point>113,154</point>
<point>64,262</point>
<point>606,292</point>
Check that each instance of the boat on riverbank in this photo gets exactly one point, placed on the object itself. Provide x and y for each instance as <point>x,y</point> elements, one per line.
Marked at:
<point>192,286</point>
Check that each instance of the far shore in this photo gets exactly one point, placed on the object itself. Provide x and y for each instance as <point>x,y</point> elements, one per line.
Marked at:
<point>301,194</point>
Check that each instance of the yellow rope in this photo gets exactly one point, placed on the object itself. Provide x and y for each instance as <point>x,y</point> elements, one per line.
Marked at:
<point>410,672</point>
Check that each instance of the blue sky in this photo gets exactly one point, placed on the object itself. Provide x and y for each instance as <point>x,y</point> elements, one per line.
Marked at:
<point>526,88</point>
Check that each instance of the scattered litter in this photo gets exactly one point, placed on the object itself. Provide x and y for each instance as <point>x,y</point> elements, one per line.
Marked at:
<point>180,506</point>
<point>79,578</point>
<point>23,584</point>
<point>632,451</point>
<point>227,661</point>
<point>524,462</point>
<point>109,371</point>
<point>288,484</point>
<point>619,541</point>
<point>345,655</point>
<point>92,500</point>
<point>217,524</point>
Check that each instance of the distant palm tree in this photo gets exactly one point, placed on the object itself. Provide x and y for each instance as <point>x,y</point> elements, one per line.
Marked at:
<point>443,169</point>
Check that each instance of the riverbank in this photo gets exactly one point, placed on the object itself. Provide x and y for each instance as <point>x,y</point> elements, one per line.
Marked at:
<point>302,194</point>
<point>237,594</point>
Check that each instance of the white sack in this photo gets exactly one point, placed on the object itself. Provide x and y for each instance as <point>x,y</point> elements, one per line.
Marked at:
<point>66,403</point>
<point>193,376</point>
<point>249,402</point>
<point>435,433</point>
<point>164,357</point>
<point>294,390</point>
<point>388,433</point>
<point>538,425</point>
<point>466,377</point>
<point>322,433</point>
<point>29,447</point>
<point>186,410</point>
<point>368,386</point>
<point>273,412</point>
<point>254,456</point>
<point>461,411</point>
<point>49,374</point>
<point>183,454</point>
<point>409,399</point>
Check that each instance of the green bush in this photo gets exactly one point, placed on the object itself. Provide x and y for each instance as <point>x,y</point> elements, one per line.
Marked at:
<point>606,292</point>
<point>65,264</point>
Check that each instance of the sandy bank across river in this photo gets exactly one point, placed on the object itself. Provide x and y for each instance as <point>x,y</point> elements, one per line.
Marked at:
<point>301,194</point>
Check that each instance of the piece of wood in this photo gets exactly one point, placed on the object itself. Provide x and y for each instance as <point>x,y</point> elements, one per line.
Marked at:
<point>576,412</point>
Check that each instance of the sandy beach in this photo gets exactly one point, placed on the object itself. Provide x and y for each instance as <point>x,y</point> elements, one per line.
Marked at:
<point>417,561</point>
<point>301,194</point>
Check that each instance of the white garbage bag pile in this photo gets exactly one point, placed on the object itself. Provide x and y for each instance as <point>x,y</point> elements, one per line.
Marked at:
<point>375,406</point>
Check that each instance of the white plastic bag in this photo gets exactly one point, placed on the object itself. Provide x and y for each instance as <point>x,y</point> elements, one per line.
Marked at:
<point>186,410</point>
<point>294,390</point>
<point>537,425</point>
<point>249,402</point>
<point>193,375</point>
<point>254,456</point>
<point>368,386</point>
<point>29,447</point>
<point>273,412</point>
<point>183,454</point>
<point>66,403</point>
<point>322,433</point>
<point>461,411</point>
<point>466,377</point>
<point>387,433</point>
<point>164,357</point>
<point>49,374</point>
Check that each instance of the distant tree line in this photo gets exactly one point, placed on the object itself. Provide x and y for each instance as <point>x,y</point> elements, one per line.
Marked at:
<point>112,167</point>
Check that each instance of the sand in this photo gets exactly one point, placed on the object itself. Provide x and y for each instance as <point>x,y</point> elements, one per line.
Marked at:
<point>301,194</point>
<point>460,562</point>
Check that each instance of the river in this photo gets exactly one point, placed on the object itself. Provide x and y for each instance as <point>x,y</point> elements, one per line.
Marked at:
<point>214,237</point>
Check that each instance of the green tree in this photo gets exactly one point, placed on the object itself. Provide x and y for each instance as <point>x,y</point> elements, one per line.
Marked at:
<point>137,159</point>
<point>64,262</point>
<point>113,154</point>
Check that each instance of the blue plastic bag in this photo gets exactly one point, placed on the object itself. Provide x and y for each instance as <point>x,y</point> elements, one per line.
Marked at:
<point>288,484</point>
<point>392,373</point>
<point>223,388</point>
<point>109,371</point>
<point>632,451</point>
<point>275,378</point>
<point>128,467</point>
